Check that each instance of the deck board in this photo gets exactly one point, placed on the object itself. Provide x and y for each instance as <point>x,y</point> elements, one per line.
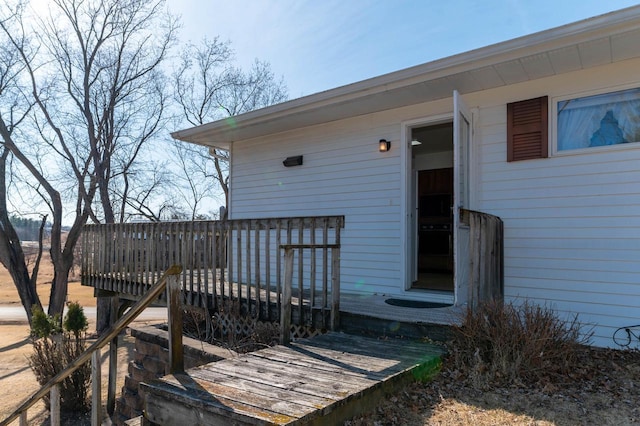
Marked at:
<point>313,381</point>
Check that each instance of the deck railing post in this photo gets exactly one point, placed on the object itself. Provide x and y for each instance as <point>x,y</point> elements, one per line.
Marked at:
<point>113,359</point>
<point>96,388</point>
<point>335,288</point>
<point>285,314</point>
<point>174,305</point>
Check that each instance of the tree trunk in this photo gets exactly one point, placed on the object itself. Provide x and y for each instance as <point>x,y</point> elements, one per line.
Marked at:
<point>14,262</point>
<point>11,253</point>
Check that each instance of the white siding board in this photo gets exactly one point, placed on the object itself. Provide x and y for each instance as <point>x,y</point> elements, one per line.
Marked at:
<point>605,181</point>
<point>601,301</point>
<point>589,254</point>
<point>574,274</point>
<point>609,244</point>
<point>630,223</point>
<point>575,264</point>
<point>576,233</point>
<point>589,288</point>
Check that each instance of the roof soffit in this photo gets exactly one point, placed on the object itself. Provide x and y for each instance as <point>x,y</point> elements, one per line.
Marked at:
<point>582,45</point>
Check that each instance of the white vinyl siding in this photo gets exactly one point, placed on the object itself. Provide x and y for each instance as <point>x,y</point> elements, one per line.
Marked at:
<point>343,174</point>
<point>572,224</point>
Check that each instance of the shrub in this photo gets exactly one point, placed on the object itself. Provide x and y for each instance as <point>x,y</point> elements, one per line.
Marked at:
<point>75,321</point>
<point>42,325</point>
<point>54,350</point>
<point>501,343</point>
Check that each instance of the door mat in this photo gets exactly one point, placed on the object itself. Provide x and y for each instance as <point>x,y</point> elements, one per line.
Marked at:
<point>416,304</point>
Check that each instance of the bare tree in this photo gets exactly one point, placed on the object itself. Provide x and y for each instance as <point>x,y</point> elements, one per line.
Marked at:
<point>208,87</point>
<point>99,97</point>
<point>13,111</point>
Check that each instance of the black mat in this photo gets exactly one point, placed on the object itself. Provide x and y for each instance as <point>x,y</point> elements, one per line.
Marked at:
<point>415,304</point>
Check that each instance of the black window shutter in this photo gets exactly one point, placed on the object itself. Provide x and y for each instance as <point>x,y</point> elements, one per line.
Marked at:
<point>528,129</point>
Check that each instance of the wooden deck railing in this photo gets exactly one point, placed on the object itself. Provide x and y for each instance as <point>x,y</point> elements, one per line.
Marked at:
<point>238,260</point>
<point>486,252</point>
<point>176,361</point>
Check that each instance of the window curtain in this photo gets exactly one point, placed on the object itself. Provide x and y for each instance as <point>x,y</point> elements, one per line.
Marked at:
<point>607,119</point>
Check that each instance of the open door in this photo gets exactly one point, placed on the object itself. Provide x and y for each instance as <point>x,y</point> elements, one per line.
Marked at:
<point>462,135</point>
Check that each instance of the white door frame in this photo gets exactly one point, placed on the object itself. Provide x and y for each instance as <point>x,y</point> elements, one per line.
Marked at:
<point>406,212</point>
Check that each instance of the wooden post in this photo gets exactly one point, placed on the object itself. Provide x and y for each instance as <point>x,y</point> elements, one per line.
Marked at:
<point>54,399</point>
<point>113,359</point>
<point>335,288</point>
<point>285,313</point>
<point>176,356</point>
<point>96,388</point>
<point>335,279</point>
<point>23,418</point>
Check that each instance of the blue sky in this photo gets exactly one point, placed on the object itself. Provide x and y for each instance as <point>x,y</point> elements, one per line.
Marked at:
<point>321,44</point>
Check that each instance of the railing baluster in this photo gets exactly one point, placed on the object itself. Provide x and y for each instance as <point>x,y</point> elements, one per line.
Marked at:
<point>256,251</point>
<point>325,269</point>
<point>301,319</point>
<point>278,264</point>
<point>96,388</point>
<point>239,261</point>
<point>267,269</point>
<point>217,278</point>
<point>312,271</point>
<point>230,259</point>
<point>249,284</point>
<point>54,405</point>
<point>285,315</point>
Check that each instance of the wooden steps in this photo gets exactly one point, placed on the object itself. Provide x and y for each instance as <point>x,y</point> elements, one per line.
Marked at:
<point>322,380</point>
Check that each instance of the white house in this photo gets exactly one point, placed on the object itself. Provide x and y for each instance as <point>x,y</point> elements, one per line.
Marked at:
<point>542,131</point>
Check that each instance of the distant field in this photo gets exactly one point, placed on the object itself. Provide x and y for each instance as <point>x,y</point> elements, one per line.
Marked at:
<point>9,294</point>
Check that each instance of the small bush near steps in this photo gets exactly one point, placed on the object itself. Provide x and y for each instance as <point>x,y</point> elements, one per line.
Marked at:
<point>54,348</point>
<point>500,343</point>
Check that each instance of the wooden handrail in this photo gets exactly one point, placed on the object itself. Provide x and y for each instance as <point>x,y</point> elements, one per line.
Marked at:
<point>287,290</point>
<point>111,333</point>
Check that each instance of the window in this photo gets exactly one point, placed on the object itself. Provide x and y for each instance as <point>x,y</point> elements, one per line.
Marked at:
<point>599,120</point>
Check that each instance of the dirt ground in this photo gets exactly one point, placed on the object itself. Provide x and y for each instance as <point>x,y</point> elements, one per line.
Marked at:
<point>604,390</point>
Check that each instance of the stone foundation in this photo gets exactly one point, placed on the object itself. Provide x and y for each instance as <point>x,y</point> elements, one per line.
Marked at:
<point>151,360</point>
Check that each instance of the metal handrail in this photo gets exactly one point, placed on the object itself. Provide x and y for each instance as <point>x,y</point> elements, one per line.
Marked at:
<point>176,358</point>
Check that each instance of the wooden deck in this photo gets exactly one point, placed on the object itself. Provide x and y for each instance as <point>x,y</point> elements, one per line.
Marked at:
<point>322,380</point>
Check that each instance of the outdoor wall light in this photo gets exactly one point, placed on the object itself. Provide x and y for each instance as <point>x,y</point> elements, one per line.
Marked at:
<point>293,161</point>
<point>384,145</point>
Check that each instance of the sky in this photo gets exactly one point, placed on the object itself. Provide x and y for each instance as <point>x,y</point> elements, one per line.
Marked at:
<point>316,45</point>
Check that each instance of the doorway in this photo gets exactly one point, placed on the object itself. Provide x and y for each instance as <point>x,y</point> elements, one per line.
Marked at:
<point>432,160</point>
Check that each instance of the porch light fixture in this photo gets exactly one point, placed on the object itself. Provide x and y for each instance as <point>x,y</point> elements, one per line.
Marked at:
<point>384,145</point>
<point>293,161</point>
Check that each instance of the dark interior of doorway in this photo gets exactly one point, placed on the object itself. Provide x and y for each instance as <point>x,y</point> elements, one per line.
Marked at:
<point>434,215</point>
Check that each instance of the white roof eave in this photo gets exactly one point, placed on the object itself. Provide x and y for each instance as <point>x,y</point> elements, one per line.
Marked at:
<point>471,71</point>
